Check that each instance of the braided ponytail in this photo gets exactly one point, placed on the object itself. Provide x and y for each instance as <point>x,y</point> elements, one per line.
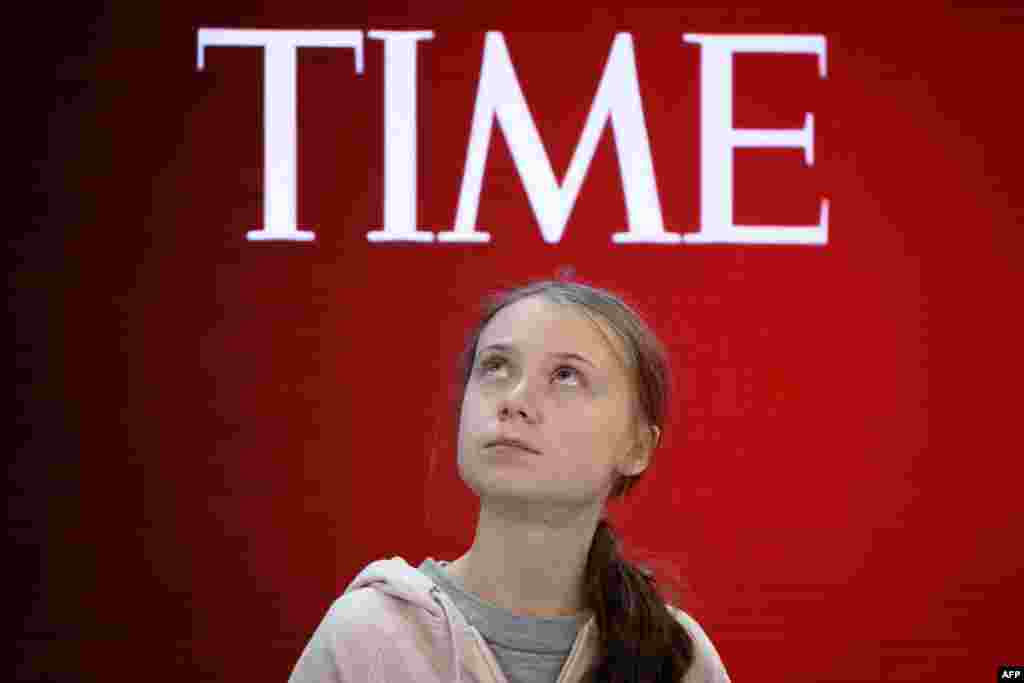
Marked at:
<point>641,641</point>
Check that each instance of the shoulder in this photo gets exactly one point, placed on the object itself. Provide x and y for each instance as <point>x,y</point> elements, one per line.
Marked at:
<point>352,637</point>
<point>362,613</point>
<point>707,664</point>
<point>348,644</point>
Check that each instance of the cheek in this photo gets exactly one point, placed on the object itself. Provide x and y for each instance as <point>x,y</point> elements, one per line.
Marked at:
<point>584,430</point>
<point>472,407</point>
<point>596,429</point>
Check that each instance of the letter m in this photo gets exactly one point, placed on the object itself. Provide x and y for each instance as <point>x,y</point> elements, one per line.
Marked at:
<point>500,97</point>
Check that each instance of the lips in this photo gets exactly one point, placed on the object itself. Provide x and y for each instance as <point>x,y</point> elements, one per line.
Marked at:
<point>513,442</point>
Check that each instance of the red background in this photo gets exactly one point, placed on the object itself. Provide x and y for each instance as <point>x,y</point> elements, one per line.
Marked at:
<point>216,435</point>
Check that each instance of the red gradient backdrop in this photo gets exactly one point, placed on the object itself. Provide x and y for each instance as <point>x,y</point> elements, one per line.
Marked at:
<point>255,422</point>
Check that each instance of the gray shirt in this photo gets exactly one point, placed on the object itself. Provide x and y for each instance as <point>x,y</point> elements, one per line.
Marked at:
<point>528,649</point>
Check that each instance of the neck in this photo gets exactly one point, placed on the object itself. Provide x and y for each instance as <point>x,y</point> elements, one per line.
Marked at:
<point>533,566</point>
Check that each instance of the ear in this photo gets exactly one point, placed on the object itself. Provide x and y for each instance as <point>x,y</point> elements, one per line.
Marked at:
<point>640,457</point>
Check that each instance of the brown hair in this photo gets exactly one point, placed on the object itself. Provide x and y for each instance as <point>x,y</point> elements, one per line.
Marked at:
<point>641,641</point>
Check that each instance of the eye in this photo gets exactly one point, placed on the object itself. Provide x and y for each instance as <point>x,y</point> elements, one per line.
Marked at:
<point>491,363</point>
<point>574,372</point>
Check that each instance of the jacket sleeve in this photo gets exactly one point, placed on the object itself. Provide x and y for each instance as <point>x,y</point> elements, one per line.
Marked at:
<point>319,660</point>
<point>707,664</point>
<point>350,645</point>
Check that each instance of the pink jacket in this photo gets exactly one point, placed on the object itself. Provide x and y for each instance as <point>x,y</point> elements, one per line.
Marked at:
<point>393,624</point>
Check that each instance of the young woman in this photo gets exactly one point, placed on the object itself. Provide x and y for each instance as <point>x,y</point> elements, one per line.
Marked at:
<point>564,400</point>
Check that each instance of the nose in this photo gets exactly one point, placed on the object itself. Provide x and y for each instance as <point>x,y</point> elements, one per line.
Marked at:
<point>517,402</point>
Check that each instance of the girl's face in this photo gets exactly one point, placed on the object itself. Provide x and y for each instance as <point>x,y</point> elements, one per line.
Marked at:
<point>546,375</point>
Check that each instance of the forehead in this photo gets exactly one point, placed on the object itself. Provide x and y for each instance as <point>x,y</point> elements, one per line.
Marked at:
<point>537,324</point>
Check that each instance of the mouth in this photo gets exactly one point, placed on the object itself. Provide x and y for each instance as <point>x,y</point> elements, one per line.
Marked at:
<point>514,443</point>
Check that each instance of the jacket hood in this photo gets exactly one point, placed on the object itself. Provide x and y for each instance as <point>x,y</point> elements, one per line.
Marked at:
<point>466,647</point>
<point>397,578</point>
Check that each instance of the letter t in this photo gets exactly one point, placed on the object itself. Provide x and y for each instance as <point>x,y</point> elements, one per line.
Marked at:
<point>280,115</point>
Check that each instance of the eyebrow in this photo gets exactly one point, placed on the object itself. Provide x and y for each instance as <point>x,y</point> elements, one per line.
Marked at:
<point>557,354</point>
